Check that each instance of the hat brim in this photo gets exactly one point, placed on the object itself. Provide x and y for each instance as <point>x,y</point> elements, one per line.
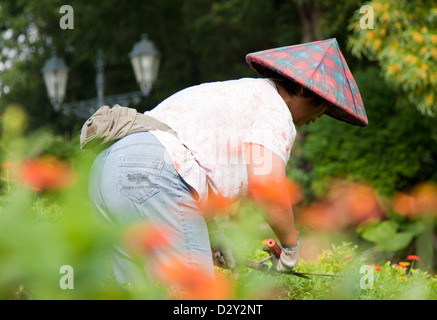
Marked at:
<point>345,100</point>
<point>333,110</point>
<point>339,114</point>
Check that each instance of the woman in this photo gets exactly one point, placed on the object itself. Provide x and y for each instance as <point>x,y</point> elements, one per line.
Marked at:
<point>230,136</point>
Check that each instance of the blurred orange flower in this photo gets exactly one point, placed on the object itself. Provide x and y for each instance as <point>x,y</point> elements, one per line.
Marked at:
<point>362,203</point>
<point>194,283</point>
<point>295,191</point>
<point>216,204</point>
<point>45,173</point>
<point>143,238</point>
<point>357,202</point>
<point>404,204</point>
<point>272,192</point>
<point>321,216</point>
<point>422,200</point>
<point>426,197</point>
<point>346,204</point>
<point>413,258</point>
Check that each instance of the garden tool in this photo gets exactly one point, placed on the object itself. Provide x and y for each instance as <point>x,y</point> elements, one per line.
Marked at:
<point>275,251</point>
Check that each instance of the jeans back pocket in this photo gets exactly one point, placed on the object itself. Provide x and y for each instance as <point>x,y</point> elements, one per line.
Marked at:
<point>139,177</point>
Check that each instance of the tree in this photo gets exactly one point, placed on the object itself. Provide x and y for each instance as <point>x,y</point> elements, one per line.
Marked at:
<point>404,43</point>
<point>320,19</point>
<point>309,16</point>
<point>198,40</point>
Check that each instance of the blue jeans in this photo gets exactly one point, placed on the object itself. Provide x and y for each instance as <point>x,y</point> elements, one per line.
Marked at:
<point>134,181</point>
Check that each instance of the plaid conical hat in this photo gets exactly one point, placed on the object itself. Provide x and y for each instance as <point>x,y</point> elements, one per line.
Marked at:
<point>320,67</point>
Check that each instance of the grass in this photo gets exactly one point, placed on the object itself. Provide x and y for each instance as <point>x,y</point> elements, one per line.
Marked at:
<point>360,281</point>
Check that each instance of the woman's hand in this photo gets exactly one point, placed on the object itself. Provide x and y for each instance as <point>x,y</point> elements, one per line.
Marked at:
<point>287,260</point>
<point>221,244</point>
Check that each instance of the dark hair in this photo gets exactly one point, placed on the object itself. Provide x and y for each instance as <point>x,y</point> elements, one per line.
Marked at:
<point>294,88</point>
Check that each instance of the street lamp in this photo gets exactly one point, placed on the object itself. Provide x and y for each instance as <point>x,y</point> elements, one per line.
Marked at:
<point>55,73</point>
<point>145,62</point>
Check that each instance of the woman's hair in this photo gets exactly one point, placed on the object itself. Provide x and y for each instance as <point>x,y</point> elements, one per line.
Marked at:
<point>293,88</point>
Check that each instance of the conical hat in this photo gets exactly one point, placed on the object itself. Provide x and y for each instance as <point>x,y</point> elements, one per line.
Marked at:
<point>320,67</point>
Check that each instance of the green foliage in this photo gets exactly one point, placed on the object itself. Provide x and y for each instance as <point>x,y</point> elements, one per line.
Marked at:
<point>357,283</point>
<point>393,283</point>
<point>41,232</point>
<point>404,42</point>
<point>390,235</point>
<point>396,151</point>
<point>55,144</point>
<point>207,41</point>
<point>199,41</point>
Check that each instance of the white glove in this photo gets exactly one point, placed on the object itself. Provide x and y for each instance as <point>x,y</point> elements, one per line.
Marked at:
<point>287,260</point>
<point>220,243</point>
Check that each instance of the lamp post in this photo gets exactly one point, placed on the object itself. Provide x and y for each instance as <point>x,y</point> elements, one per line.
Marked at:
<point>145,60</point>
<point>55,73</point>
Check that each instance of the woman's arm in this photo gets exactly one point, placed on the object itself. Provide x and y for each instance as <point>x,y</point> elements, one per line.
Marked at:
<point>268,188</point>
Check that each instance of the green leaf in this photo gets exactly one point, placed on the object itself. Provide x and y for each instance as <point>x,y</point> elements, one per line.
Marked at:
<point>386,236</point>
<point>379,231</point>
<point>396,242</point>
<point>415,228</point>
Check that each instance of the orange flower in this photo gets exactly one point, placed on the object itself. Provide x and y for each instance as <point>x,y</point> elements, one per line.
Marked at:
<point>404,204</point>
<point>144,238</point>
<point>413,258</point>
<point>321,216</point>
<point>347,204</point>
<point>269,192</point>
<point>422,200</point>
<point>377,268</point>
<point>399,266</point>
<point>194,283</point>
<point>417,37</point>
<point>215,204</point>
<point>361,202</point>
<point>273,192</point>
<point>46,173</point>
<point>426,197</point>
<point>295,191</point>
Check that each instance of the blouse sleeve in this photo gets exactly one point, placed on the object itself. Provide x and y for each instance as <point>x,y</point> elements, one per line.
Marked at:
<point>272,127</point>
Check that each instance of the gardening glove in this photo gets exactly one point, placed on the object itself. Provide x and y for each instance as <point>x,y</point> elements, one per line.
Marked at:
<point>223,248</point>
<point>287,260</point>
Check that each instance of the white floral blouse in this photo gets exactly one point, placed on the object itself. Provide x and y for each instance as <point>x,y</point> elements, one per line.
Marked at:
<point>214,121</point>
